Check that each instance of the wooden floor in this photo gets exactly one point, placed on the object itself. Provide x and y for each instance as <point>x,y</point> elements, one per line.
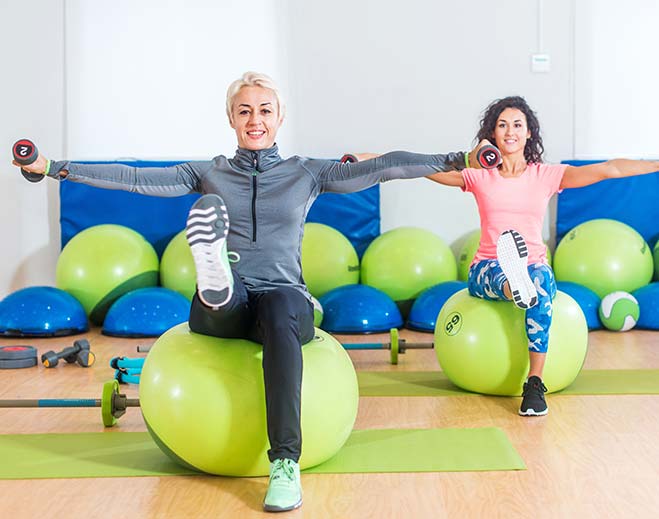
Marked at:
<point>592,456</point>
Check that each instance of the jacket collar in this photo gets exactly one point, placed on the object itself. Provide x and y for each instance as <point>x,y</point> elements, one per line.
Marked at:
<point>259,160</point>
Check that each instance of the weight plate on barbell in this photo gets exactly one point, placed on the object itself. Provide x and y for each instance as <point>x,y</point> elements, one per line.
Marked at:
<point>393,338</point>
<point>110,388</point>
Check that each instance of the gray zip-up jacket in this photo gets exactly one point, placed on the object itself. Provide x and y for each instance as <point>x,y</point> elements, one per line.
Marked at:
<point>267,197</point>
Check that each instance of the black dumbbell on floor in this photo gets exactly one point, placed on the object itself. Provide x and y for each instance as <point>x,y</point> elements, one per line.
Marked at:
<point>25,153</point>
<point>79,353</point>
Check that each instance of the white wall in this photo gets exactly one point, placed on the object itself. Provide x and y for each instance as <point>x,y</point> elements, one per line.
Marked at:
<point>147,80</point>
<point>31,105</point>
<point>369,77</point>
<point>617,79</point>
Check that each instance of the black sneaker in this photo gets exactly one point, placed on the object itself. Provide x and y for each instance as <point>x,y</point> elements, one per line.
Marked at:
<point>207,230</point>
<point>533,398</point>
<point>512,255</point>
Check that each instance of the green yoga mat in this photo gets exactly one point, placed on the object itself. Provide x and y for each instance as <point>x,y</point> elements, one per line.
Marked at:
<point>114,454</point>
<point>435,383</point>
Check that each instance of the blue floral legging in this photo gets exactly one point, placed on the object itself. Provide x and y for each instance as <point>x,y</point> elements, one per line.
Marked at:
<point>486,281</point>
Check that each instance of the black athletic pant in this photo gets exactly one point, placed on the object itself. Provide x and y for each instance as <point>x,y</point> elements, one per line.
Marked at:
<point>282,320</point>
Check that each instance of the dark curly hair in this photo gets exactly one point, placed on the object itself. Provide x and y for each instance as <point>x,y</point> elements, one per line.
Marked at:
<point>534,148</point>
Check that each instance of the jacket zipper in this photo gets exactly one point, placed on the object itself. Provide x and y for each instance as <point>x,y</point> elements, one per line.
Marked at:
<point>254,173</point>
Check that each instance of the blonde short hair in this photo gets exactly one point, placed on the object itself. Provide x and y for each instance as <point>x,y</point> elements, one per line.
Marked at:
<point>254,79</point>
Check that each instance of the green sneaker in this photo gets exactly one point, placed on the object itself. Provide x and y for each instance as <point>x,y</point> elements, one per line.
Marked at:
<point>284,489</point>
<point>207,229</point>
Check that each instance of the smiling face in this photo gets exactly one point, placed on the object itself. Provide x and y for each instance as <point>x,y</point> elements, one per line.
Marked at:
<point>511,132</point>
<point>255,117</point>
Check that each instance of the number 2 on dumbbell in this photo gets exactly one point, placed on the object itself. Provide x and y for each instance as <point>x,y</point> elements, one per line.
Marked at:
<point>25,153</point>
<point>489,157</point>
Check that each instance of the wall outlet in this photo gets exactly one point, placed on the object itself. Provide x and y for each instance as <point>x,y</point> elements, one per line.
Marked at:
<point>540,63</point>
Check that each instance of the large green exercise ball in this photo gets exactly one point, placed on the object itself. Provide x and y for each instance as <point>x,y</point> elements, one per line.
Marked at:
<point>177,270</point>
<point>203,401</point>
<point>405,261</point>
<point>482,345</point>
<point>467,253</point>
<point>328,259</point>
<point>469,249</point>
<point>605,256</point>
<point>102,263</point>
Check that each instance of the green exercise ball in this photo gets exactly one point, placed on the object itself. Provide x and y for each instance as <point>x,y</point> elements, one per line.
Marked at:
<point>177,270</point>
<point>469,249</point>
<point>605,256</point>
<point>104,262</point>
<point>203,401</point>
<point>482,345</point>
<point>467,253</point>
<point>405,261</point>
<point>318,312</point>
<point>328,259</point>
<point>655,255</point>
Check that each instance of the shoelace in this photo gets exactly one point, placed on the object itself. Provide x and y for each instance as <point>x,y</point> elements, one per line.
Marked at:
<point>538,388</point>
<point>283,468</point>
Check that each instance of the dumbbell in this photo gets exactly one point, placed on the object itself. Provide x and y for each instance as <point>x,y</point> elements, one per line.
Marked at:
<point>79,352</point>
<point>25,153</point>
<point>489,157</point>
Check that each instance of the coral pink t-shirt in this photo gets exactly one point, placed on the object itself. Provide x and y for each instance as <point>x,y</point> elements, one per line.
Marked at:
<point>518,203</point>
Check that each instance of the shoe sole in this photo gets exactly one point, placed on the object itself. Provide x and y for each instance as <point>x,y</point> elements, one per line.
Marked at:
<point>206,230</point>
<point>512,255</point>
<point>531,412</point>
<point>270,508</point>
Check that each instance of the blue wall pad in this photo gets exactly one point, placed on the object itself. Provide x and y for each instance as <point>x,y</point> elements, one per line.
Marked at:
<point>631,200</point>
<point>41,312</point>
<point>648,301</point>
<point>146,312</point>
<point>588,300</point>
<point>359,309</point>
<point>158,219</point>
<point>426,307</point>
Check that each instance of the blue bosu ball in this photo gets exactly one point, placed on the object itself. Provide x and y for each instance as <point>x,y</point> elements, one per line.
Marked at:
<point>425,309</point>
<point>146,312</point>
<point>41,312</point>
<point>359,309</point>
<point>648,302</point>
<point>588,300</point>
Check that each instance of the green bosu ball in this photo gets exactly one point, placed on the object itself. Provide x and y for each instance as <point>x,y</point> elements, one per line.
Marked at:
<point>405,261</point>
<point>203,401</point>
<point>104,262</point>
<point>468,251</point>
<point>177,270</point>
<point>482,345</point>
<point>328,259</point>
<point>605,256</point>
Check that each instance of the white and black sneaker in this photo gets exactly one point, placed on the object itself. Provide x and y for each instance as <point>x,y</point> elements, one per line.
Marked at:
<point>512,255</point>
<point>207,229</point>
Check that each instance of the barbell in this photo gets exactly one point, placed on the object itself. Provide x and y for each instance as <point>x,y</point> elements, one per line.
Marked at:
<point>112,403</point>
<point>396,346</point>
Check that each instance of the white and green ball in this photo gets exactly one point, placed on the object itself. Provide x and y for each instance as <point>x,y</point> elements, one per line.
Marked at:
<point>619,311</point>
<point>317,312</point>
